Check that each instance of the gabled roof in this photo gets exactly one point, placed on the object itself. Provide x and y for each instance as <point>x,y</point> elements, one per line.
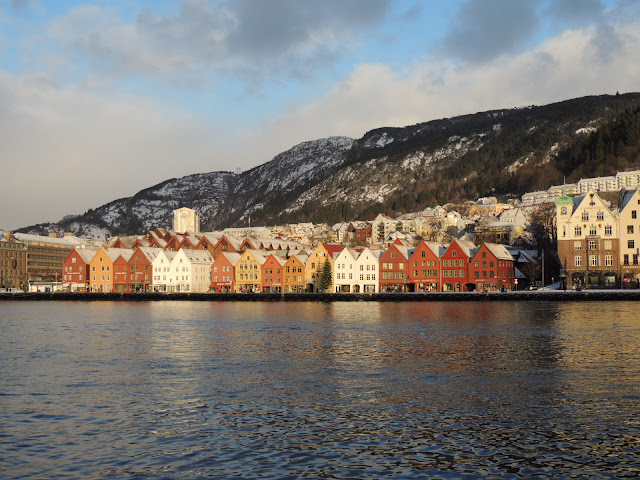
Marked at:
<point>352,252</point>
<point>436,248</point>
<point>626,198</point>
<point>332,248</point>
<point>466,245</point>
<point>114,253</point>
<point>86,254</point>
<point>259,255</point>
<point>281,261</point>
<point>149,252</point>
<point>499,251</point>
<point>300,257</point>
<point>197,256</point>
<point>232,257</point>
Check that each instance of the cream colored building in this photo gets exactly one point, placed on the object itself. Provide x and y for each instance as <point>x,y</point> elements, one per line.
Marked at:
<point>588,241</point>
<point>186,220</point>
<point>630,239</point>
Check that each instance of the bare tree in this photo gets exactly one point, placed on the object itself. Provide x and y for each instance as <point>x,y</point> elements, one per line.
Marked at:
<point>542,224</point>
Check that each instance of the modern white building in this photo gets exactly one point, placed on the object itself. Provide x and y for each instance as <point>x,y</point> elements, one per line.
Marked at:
<point>186,220</point>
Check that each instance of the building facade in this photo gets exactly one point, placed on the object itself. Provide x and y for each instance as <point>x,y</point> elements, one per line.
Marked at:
<point>186,220</point>
<point>13,262</point>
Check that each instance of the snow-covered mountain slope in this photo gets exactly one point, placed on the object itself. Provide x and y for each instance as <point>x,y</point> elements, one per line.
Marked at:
<point>331,179</point>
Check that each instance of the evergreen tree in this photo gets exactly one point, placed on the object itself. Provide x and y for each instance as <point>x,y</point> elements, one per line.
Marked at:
<point>326,276</point>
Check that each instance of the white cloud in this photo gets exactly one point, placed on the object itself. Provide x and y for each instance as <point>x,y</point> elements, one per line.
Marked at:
<point>375,95</point>
<point>67,150</point>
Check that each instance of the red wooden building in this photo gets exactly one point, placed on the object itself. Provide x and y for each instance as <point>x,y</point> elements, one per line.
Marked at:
<point>393,268</point>
<point>492,268</point>
<point>75,269</point>
<point>223,272</point>
<point>272,275</point>
<point>424,267</point>
<point>454,265</point>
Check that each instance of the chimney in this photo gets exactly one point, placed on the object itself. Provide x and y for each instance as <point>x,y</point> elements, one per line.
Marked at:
<point>53,235</point>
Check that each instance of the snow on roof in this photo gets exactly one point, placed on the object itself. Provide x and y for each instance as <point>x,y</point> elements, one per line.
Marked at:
<point>231,257</point>
<point>150,252</point>
<point>68,241</point>
<point>86,254</point>
<point>114,253</point>
<point>499,251</point>
<point>197,256</point>
<point>301,258</point>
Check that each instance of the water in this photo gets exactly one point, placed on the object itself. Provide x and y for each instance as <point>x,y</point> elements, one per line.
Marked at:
<point>319,390</point>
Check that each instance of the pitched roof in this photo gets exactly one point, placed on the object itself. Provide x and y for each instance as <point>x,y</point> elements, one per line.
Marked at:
<point>231,257</point>
<point>201,256</point>
<point>114,253</point>
<point>332,248</point>
<point>87,254</point>
<point>150,252</point>
<point>499,251</point>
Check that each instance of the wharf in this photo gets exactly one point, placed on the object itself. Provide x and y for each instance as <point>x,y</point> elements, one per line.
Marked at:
<point>539,295</point>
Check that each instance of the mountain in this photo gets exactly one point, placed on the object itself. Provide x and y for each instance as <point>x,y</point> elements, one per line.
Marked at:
<point>501,152</point>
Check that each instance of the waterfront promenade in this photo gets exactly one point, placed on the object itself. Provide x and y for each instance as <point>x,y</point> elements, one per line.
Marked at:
<point>536,295</point>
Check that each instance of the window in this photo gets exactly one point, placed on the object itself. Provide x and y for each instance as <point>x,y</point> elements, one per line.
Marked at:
<point>577,245</point>
<point>607,230</point>
<point>600,216</point>
<point>585,216</point>
<point>630,244</point>
<point>634,214</point>
<point>593,244</point>
<point>593,260</point>
<point>593,230</point>
<point>484,254</point>
<point>454,253</point>
<point>608,245</point>
<point>608,260</point>
<point>630,229</point>
<point>423,254</point>
<point>578,230</point>
<point>625,259</point>
<point>635,260</point>
<point>578,260</point>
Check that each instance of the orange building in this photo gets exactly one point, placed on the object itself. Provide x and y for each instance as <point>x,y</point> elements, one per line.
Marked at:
<point>101,268</point>
<point>294,274</point>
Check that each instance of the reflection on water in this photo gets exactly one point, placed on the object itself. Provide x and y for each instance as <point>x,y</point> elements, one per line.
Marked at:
<point>329,390</point>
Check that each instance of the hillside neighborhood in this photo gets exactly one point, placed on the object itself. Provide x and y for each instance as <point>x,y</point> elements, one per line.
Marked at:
<point>591,239</point>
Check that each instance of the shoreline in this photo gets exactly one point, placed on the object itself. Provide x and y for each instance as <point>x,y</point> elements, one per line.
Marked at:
<point>536,295</point>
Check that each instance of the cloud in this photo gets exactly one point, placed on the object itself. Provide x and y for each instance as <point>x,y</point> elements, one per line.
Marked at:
<point>208,39</point>
<point>67,149</point>
<point>375,95</point>
<point>574,13</point>
<point>486,29</point>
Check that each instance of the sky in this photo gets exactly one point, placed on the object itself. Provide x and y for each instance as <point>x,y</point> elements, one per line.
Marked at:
<point>99,100</point>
